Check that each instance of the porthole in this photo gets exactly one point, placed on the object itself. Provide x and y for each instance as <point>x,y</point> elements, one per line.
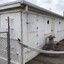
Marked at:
<point>59,22</point>
<point>47,21</point>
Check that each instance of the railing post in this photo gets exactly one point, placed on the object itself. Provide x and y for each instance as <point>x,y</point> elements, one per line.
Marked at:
<point>19,41</point>
<point>8,43</point>
<point>22,55</point>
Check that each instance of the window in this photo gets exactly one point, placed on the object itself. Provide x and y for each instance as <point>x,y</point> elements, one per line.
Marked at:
<point>47,21</point>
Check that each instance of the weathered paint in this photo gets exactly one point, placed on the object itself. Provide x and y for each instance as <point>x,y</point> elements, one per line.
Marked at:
<point>53,26</point>
<point>38,30</point>
<point>15,24</point>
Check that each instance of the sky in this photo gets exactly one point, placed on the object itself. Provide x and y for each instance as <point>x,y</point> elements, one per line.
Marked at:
<point>56,6</point>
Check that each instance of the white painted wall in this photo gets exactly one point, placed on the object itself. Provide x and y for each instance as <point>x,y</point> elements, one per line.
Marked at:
<point>37,30</point>
<point>59,29</point>
<point>34,33</point>
<point>47,28</point>
<point>15,24</point>
<point>15,33</point>
<point>36,37</point>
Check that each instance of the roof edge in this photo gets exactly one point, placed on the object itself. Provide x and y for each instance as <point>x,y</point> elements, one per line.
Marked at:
<point>42,9</point>
<point>10,3</point>
<point>31,5</point>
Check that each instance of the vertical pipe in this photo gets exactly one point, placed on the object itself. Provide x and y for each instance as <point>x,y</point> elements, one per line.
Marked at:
<point>8,43</point>
<point>22,40</point>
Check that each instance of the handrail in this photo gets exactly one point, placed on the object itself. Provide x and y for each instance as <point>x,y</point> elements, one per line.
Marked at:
<point>42,51</point>
<point>4,32</point>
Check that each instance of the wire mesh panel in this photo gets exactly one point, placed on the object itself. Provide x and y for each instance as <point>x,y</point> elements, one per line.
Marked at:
<point>3,49</point>
<point>5,44</point>
<point>9,33</point>
<point>15,51</point>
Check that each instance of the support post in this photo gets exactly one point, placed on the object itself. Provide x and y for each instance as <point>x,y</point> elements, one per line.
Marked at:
<point>8,43</point>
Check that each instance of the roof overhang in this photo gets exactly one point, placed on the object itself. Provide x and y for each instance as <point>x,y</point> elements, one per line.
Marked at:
<point>31,6</point>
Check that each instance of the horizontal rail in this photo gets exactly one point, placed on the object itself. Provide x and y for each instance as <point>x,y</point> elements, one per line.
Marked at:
<point>3,32</point>
<point>42,51</point>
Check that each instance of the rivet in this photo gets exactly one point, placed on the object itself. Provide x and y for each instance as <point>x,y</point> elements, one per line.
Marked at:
<point>12,48</point>
<point>6,47</point>
<point>37,35</point>
<point>37,43</point>
<point>27,23</point>
<point>36,27</point>
<point>17,53</point>
<point>1,44</point>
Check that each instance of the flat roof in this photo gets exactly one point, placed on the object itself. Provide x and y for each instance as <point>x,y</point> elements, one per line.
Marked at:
<point>33,6</point>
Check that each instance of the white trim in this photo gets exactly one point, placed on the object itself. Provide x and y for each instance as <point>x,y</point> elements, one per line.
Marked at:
<point>11,11</point>
<point>9,6</point>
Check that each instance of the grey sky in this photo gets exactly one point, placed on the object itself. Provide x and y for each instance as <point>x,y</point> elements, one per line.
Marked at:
<point>56,6</point>
<point>5,1</point>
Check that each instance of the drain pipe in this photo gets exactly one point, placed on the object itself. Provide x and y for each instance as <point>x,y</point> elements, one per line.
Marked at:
<point>21,41</point>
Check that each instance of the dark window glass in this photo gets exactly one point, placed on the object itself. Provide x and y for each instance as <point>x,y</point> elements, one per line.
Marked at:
<point>59,22</point>
<point>47,21</point>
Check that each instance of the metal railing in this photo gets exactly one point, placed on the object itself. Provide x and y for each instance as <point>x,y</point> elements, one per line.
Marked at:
<point>8,43</point>
<point>38,50</point>
<point>42,51</point>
